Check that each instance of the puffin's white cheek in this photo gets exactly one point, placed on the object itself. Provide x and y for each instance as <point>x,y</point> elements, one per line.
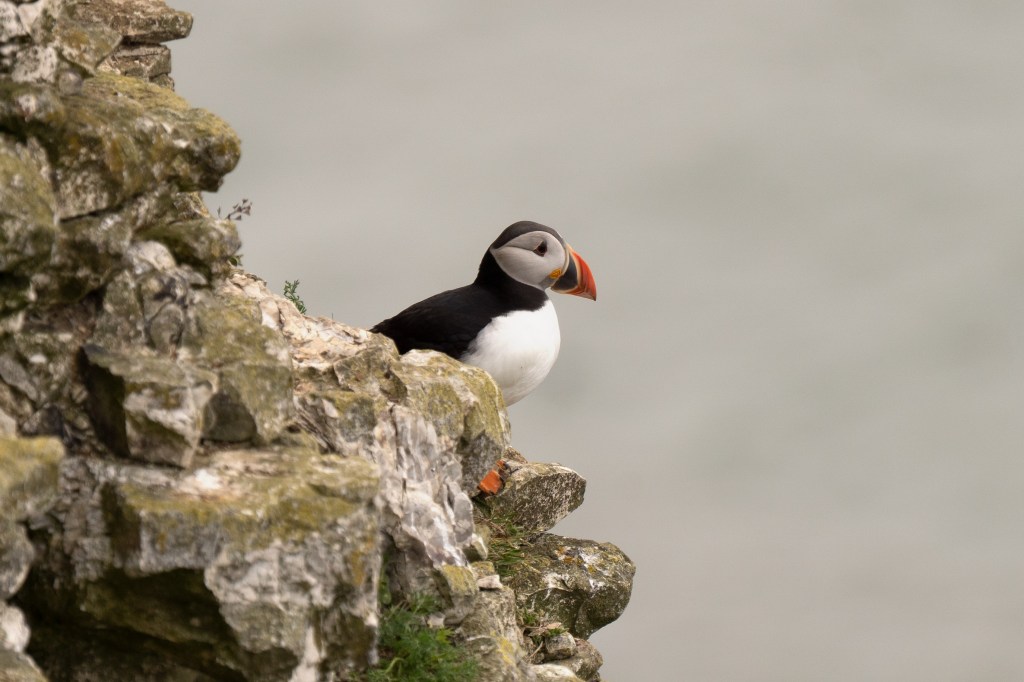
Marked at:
<point>523,266</point>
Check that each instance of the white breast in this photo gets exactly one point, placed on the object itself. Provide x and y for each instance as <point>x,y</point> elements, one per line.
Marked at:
<point>517,350</point>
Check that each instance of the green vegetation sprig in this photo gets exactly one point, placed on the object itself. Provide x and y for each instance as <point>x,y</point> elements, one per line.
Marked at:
<point>411,650</point>
<point>291,293</point>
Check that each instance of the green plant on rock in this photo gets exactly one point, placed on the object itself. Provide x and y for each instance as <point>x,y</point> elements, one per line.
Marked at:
<point>411,650</point>
<point>535,631</point>
<point>538,633</point>
<point>291,293</point>
<point>505,550</point>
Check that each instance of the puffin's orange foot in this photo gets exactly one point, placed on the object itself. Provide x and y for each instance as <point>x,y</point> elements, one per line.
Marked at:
<point>494,480</point>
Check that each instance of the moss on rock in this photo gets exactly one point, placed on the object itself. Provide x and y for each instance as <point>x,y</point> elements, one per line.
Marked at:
<point>27,108</point>
<point>28,475</point>
<point>254,399</point>
<point>141,21</point>
<point>463,403</point>
<point>27,207</point>
<point>121,137</point>
<point>255,562</point>
<point>205,244</point>
<point>536,496</point>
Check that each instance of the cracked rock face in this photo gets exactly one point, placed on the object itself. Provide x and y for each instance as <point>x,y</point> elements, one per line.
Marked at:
<point>492,630</point>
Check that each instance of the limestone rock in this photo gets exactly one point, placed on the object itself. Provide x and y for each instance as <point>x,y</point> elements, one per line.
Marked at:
<point>17,667</point>
<point>28,487</point>
<point>138,21</point>
<point>145,407</point>
<point>491,581</point>
<point>492,634</point>
<point>254,398</point>
<point>28,475</point>
<point>458,588</point>
<point>11,26</point>
<point>145,305</point>
<point>13,629</point>
<point>29,107</point>
<point>550,672</point>
<point>16,557</point>
<point>466,405</point>
<point>557,647</point>
<point>104,659</point>
<point>205,244</point>
<point>139,61</point>
<point>585,662</point>
<point>537,495</point>
<point>580,583</point>
<point>27,207</point>
<point>424,419</point>
<point>261,562</point>
<point>36,63</point>
<point>84,44</point>
<point>35,367</point>
<point>90,251</point>
<point>122,136</point>
<point>27,224</point>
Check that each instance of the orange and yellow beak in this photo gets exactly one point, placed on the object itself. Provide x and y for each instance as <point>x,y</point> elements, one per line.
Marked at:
<point>577,279</point>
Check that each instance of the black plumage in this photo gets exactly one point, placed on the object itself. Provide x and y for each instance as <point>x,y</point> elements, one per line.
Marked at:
<point>450,321</point>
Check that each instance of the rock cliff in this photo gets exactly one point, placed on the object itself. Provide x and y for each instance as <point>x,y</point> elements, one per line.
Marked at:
<point>197,481</point>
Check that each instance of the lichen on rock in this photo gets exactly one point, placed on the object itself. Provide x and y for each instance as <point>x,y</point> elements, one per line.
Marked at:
<point>254,398</point>
<point>410,416</point>
<point>122,136</point>
<point>146,407</point>
<point>28,488</point>
<point>581,584</point>
<point>536,495</point>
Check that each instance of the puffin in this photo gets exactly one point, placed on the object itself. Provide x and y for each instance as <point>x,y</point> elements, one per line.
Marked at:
<point>504,322</point>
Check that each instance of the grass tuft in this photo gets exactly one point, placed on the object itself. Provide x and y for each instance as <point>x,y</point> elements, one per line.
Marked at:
<point>505,549</point>
<point>411,650</point>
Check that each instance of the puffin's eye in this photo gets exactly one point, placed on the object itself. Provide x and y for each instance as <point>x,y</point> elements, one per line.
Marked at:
<point>541,249</point>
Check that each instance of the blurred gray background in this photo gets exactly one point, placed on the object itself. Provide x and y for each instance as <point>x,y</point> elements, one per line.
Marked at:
<point>798,399</point>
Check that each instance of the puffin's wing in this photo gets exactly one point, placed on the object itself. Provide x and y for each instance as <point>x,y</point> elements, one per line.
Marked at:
<point>446,322</point>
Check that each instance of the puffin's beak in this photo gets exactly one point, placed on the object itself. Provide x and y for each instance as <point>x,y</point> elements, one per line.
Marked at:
<point>576,279</point>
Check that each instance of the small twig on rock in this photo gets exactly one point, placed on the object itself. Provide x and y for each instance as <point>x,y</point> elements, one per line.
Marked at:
<point>238,211</point>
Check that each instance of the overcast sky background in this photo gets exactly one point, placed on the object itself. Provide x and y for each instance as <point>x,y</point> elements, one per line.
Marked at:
<point>798,399</point>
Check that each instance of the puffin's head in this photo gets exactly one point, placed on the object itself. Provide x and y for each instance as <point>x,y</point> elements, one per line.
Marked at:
<point>535,254</point>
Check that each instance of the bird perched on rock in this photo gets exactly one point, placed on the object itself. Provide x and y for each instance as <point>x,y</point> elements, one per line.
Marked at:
<point>503,322</point>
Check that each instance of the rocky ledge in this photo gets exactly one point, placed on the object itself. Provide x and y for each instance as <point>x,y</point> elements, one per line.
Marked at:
<point>198,481</point>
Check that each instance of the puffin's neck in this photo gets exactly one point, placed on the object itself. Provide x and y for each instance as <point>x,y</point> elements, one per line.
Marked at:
<point>520,296</point>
